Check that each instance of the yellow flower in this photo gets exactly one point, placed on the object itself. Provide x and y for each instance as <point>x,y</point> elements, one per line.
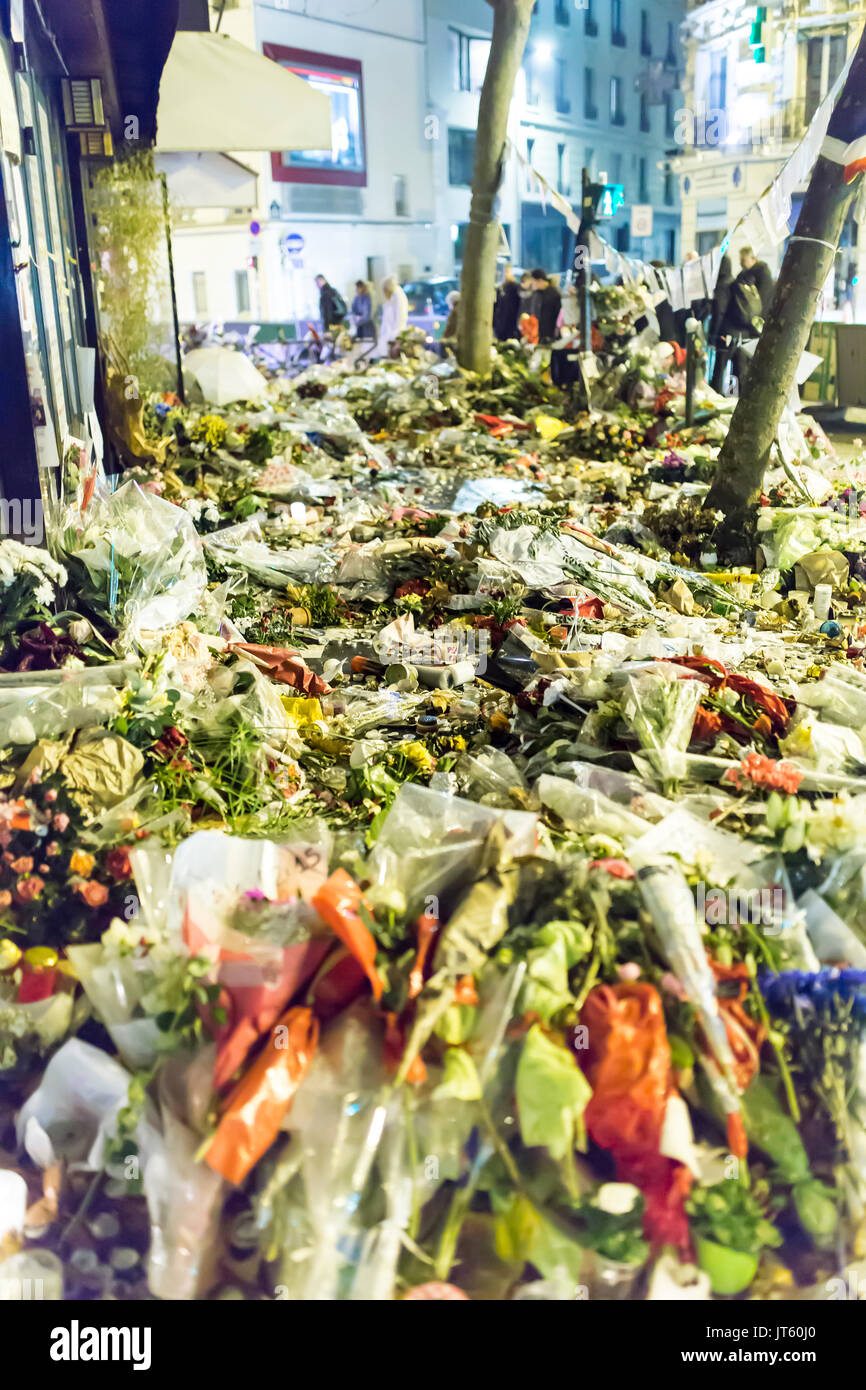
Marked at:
<point>81,863</point>
<point>417,754</point>
<point>10,954</point>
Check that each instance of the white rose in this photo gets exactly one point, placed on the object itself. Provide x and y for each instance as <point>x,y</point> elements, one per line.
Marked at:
<point>617,1198</point>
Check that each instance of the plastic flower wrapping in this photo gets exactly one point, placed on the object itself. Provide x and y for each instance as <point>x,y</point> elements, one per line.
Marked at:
<point>424,872</point>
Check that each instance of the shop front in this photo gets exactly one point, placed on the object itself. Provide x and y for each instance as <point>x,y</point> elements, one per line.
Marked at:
<point>77,83</point>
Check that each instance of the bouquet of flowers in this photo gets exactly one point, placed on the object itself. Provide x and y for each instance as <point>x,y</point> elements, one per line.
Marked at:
<point>136,558</point>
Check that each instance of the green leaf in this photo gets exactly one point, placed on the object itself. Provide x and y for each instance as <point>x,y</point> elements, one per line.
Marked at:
<point>461,1079</point>
<point>552,1094</point>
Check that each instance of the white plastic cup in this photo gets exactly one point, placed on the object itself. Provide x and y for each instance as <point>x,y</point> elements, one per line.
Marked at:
<point>821,601</point>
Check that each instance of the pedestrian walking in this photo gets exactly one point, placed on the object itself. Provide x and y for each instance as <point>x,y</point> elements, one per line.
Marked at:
<point>545,305</point>
<point>332,305</point>
<point>719,341</point>
<point>395,316</point>
<point>362,311</point>
<point>452,299</point>
<point>750,298</point>
<point>506,309</point>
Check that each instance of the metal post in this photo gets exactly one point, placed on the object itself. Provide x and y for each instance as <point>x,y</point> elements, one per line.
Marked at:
<point>691,369</point>
<point>581,252</point>
<point>175,320</point>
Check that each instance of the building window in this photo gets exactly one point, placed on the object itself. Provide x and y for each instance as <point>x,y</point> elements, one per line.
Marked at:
<point>562,180</point>
<point>623,238</point>
<point>469,58</point>
<point>814,64</point>
<point>340,80</point>
<point>401,196</point>
<point>590,23</point>
<point>646,47</point>
<point>643,186</point>
<point>644,112</point>
<point>242,291</point>
<point>461,157</point>
<point>590,161</point>
<point>671,55</point>
<point>669,115</point>
<point>617,34</point>
<point>838,55</point>
<point>562,13</point>
<point>530,80</point>
<point>671,239</point>
<point>590,110</point>
<point>669,188</point>
<point>718,82</point>
<point>617,114</point>
<point>530,151</point>
<point>563,105</point>
<point>825,59</point>
<point>199,292</point>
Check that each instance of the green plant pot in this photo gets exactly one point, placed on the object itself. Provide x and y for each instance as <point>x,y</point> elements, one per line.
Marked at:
<point>730,1271</point>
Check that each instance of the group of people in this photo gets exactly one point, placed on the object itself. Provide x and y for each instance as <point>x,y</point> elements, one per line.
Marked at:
<point>333,312</point>
<point>733,317</point>
<point>528,309</point>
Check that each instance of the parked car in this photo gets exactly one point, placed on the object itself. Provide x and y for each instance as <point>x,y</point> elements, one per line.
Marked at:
<point>428,304</point>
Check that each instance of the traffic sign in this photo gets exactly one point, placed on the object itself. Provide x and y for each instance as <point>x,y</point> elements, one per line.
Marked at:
<point>641,220</point>
<point>608,199</point>
<point>294,244</point>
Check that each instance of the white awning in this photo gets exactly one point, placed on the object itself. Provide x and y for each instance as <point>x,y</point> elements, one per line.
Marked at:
<point>216,94</point>
<point>208,180</point>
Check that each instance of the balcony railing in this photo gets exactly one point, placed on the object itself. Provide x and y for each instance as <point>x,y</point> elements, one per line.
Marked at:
<point>590,27</point>
<point>590,111</point>
<point>617,38</point>
<point>617,118</point>
<point>563,105</point>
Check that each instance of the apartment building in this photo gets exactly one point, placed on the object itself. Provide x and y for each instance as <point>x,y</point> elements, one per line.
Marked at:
<point>359,210</point>
<point>598,88</point>
<point>754,78</point>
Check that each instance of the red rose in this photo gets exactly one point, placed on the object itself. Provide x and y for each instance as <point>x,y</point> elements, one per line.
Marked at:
<point>117,863</point>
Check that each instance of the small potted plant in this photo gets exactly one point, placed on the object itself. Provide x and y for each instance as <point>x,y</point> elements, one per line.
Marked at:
<point>730,1233</point>
<point>611,1227</point>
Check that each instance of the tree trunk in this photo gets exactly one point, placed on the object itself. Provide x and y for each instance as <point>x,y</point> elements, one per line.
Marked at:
<point>745,453</point>
<point>477,284</point>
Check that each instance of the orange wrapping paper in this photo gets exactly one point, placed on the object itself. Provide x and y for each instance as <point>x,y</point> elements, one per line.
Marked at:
<point>257,1107</point>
